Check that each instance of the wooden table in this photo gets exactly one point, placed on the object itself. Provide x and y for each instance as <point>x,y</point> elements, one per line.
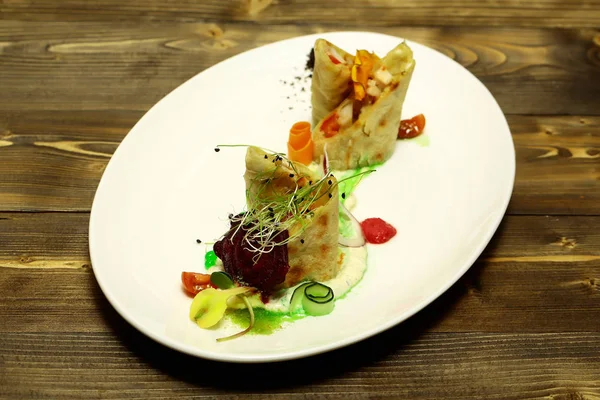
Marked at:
<point>524,322</point>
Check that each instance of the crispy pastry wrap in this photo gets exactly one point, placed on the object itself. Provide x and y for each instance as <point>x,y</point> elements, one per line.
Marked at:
<point>369,136</point>
<point>313,246</point>
<point>331,78</point>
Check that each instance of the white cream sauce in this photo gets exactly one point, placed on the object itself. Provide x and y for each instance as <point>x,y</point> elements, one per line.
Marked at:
<point>353,268</point>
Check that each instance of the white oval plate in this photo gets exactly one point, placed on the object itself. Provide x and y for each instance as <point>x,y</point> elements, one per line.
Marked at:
<point>165,186</point>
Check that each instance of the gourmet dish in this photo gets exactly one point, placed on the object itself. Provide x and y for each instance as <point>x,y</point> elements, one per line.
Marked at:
<point>296,248</point>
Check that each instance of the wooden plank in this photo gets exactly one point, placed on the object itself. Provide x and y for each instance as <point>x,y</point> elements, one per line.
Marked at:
<point>119,65</point>
<point>30,239</point>
<point>540,13</point>
<point>395,364</point>
<point>53,160</point>
<point>558,165</point>
<point>539,274</point>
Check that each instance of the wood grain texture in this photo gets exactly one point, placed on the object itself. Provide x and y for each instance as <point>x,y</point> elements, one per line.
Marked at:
<point>53,160</point>
<point>522,323</point>
<point>539,274</point>
<point>539,13</point>
<point>558,165</point>
<point>117,66</point>
<point>399,363</point>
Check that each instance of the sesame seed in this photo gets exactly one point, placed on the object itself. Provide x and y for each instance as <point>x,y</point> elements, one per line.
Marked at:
<point>198,241</point>
<point>291,175</point>
<point>330,195</point>
<point>217,149</point>
<point>266,156</point>
<point>343,195</point>
<point>302,241</point>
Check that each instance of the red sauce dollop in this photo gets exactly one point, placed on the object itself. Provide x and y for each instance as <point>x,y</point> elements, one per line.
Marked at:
<point>377,230</point>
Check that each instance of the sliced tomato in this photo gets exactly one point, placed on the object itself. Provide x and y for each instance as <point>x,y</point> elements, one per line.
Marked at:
<point>330,126</point>
<point>334,60</point>
<point>410,128</point>
<point>194,282</point>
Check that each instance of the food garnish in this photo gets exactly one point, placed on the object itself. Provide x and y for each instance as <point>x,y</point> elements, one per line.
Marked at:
<point>377,231</point>
<point>222,280</point>
<point>269,216</point>
<point>316,299</point>
<point>413,127</point>
<point>361,70</point>
<point>209,305</point>
<point>300,144</point>
<point>194,282</point>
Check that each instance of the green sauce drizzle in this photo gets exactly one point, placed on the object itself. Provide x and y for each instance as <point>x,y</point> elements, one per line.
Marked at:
<point>265,322</point>
<point>347,187</point>
<point>345,227</point>
<point>210,259</point>
<point>422,140</point>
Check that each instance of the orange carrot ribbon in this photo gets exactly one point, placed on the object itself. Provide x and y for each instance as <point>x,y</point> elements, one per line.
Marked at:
<point>300,144</point>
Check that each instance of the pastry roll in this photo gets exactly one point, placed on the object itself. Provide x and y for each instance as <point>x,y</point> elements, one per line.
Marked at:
<point>289,232</point>
<point>331,78</point>
<point>363,128</point>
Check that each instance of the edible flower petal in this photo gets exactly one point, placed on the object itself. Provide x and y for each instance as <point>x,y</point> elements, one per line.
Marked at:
<point>209,306</point>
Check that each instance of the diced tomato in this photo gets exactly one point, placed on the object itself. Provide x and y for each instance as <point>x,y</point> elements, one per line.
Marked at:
<point>377,230</point>
<point>194,282</point>
<point>334,60</point>
<point>410,128</point>
<point>330,126</point>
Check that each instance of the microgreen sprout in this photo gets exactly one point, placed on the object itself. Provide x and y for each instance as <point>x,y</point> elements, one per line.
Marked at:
<point>282,197</point>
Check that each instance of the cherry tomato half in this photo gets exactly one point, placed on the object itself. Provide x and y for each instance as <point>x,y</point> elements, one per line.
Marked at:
<point>194,282</point>
<point>410,128</point>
